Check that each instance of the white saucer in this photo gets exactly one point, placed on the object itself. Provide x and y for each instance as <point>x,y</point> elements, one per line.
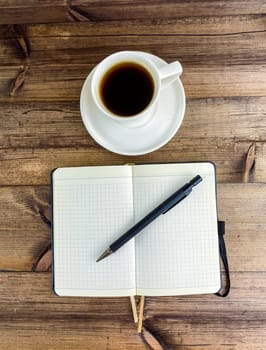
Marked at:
<point>141,140</point>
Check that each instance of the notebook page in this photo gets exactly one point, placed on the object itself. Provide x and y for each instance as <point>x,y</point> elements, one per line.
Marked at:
<point>179,252</point>
<point>92,206</point>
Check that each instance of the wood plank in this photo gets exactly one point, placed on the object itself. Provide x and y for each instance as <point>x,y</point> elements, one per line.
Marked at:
<point>79,335</point>
<point>217,35</point>
<point>65,334</point>
<point>17,11</point>
<point>37,316</point>
<point>35,290</point>
<point>224,81</point>
<point>120,9</point>
<point>210,307</point>
<point>32,11</point>
<point>35,164</point>
<point>233,334</point>
<point>187,25</point>
<point>61,58</point>
<point>64,83</point>
<point>68,46</point>
<point>20,221</point>
<point>59,125</point>
<point>240,118</point>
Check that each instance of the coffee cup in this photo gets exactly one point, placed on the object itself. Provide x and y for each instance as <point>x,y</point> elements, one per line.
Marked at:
<point>126,86</point>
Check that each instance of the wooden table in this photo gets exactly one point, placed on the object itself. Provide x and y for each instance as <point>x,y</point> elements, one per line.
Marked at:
<point>47,48</point>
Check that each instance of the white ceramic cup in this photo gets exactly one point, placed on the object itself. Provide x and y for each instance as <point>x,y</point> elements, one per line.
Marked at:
<point>161,77</point>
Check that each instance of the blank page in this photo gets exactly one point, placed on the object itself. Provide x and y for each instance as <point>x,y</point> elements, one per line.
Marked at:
<point>179,252</point>
<point>92,206</point>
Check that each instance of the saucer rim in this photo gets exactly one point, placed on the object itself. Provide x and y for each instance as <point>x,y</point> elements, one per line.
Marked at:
<point>111,146</point>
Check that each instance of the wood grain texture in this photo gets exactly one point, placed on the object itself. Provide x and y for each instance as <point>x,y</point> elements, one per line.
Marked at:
<point>40,319</point>
<point>188,25</point>
<point>225,64</point>
<point>33,11</point>
<point>47,48</point>
<point>64,83</point>
<point>60,124</point>
<point>60,127</point>
<point>17,11</point>
<point>24,233</point>
<point>168,8</point>
<point>36,164</point>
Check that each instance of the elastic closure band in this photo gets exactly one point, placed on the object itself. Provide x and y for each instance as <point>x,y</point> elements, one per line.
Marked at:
<point>224,291</point>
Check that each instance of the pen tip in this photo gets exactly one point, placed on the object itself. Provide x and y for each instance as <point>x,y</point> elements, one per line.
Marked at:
<point>106,253</point>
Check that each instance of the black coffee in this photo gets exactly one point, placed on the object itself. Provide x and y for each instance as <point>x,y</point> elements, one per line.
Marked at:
<point>126,89</point>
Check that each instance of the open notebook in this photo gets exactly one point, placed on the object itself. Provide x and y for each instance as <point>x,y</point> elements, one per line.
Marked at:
<point>176,254</point>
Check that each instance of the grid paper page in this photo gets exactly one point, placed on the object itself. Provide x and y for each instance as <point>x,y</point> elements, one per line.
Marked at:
<point>92,206</point>
<point>178,253</point>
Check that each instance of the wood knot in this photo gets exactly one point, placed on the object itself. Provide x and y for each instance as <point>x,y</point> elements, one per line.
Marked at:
<point>151,340</point>
<point>19,32</point>
<point>44,261</point>
<point>249,162</point>
<point>18,81</point>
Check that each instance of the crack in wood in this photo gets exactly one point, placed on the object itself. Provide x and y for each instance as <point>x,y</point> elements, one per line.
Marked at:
<point>44,218</point>
<point>78,15</point>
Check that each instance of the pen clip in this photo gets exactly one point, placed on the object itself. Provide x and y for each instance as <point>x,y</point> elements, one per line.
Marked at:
<point>186,193</point>
<point>186,190</point>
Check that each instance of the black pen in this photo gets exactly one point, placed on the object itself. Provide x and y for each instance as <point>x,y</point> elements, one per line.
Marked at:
<point>163,208</point>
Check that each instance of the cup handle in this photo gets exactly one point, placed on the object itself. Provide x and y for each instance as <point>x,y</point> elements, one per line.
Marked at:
<point>169,73</point>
